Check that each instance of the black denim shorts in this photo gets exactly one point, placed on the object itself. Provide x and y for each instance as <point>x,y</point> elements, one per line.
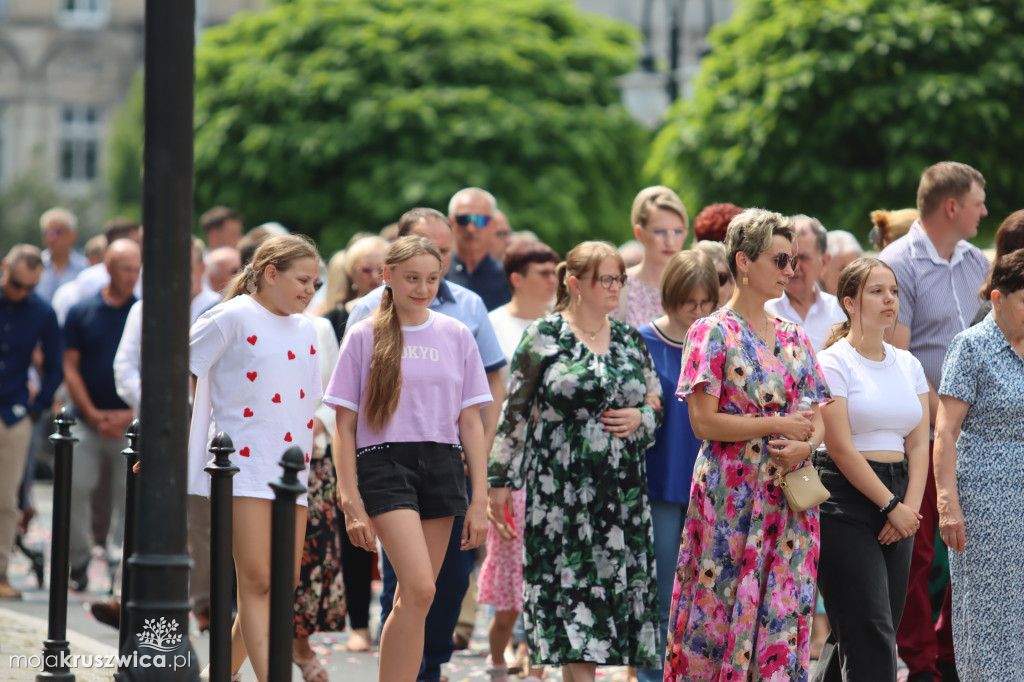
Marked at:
<point>423,476</point>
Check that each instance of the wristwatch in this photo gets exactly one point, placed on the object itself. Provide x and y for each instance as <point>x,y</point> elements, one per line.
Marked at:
<point>810,443</point>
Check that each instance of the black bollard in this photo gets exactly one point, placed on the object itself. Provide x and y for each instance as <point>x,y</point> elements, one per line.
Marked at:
<point>221,472</point>
<point>282,564</point>
<point>131,455</point>
<point>55,647</point>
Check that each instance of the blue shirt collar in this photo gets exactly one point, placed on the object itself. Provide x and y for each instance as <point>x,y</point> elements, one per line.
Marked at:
<point>444,294</point>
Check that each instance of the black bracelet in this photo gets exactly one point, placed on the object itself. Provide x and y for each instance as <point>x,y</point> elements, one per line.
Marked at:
<point>892,504</point>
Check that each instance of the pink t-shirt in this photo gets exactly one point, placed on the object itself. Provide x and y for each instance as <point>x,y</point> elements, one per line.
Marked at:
<point>442,374</point>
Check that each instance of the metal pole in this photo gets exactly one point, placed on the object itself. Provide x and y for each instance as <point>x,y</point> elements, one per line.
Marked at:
<point>158,606</point>
<point>221,569</point>
<point>55,647</point>
<point>282,564</point>
<point>675,26</point>
<point>131,455</point>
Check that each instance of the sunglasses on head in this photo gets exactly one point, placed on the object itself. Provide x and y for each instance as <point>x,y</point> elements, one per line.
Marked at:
<point>477,220</point>
<point>780,258</point>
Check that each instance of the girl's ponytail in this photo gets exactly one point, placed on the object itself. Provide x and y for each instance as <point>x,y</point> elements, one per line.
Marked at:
<point>384,385</point>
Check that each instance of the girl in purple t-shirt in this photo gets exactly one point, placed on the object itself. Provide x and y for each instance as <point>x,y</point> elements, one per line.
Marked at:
<point>408,389</point>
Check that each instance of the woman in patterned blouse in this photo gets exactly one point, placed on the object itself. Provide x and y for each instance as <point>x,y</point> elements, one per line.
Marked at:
<point>744,591</point>
<point>581,411</point>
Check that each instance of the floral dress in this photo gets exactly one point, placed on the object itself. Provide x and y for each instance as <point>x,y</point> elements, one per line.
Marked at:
<point>743,598</point>
<point>588,572</point>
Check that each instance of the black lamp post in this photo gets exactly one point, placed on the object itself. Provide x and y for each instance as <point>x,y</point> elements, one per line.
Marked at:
<point>158,606</point>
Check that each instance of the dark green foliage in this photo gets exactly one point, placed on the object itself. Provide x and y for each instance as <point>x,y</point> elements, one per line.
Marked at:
<point>335,116</point>
<point>834,107</point>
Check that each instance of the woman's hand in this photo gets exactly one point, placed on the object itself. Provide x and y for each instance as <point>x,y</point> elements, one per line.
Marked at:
<point>796,426</point>
<point>474,527</point>
<point>360,528</point>
<point>788,453</point>
<point>623,422</point>
<point>501,522</point>
<point>951,526</point>
<point>902,522</point>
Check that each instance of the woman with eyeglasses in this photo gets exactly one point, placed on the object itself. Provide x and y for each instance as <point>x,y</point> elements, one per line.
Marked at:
<point>582,406</point>
<point>743,598</point>
<point>726,284</point>
<point>352,274</point>
<point>689,291</point>
<point>660,225</point>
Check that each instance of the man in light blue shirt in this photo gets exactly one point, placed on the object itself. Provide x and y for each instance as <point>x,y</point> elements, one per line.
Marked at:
<point>462,304</point>
<point>61,263</point>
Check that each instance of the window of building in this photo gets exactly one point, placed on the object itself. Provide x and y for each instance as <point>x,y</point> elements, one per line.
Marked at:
<point>79,144</point>
<point>82,13</point>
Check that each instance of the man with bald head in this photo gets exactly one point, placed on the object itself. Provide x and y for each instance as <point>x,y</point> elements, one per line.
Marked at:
<point>92,332</point>
<point>222,264</point>
<point>471,213</point>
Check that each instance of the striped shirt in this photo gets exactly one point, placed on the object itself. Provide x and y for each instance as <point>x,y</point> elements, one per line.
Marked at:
<point>938,298</point>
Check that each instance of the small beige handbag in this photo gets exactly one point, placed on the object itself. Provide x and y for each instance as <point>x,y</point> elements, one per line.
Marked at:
<point>802,488</point>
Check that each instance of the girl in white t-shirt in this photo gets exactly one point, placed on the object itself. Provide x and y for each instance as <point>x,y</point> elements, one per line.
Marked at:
<point>258,380</point>
<point>876,432</point>
<point>408,389</point>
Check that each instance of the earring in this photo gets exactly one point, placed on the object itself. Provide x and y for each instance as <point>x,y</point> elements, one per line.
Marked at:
<point>579,299</point>
<point>745,280</point>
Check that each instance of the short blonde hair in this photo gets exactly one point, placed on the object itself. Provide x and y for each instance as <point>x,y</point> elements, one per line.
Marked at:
<point>751,233</point>
<point>651,198</point>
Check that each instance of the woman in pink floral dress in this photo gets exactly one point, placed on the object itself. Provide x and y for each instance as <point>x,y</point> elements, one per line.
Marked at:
<point>744,592</point>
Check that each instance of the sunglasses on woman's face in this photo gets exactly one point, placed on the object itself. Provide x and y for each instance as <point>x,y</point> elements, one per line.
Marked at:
<point>780,258</point>
<point>724,277</point>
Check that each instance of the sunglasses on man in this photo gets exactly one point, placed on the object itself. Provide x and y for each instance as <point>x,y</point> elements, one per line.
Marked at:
<point>18,285</point>
<point>477,220</point>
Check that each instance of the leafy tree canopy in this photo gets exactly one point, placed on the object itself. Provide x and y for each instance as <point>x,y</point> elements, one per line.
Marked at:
<point>834,107</point>
<point>334,116</point>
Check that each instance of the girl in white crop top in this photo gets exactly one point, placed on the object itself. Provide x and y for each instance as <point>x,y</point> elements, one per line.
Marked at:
<point>876,434</point>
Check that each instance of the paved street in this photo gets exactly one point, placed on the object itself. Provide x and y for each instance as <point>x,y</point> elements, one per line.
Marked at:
<point>23,626</point>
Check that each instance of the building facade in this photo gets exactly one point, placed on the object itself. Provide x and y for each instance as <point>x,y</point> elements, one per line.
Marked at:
<point>65,67</point>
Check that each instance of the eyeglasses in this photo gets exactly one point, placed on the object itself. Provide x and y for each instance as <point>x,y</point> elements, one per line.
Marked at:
<point>724,277</point>
<point>477,220</point>
<point>781,258</point>
<point>607,280</point>
<point>370,270</point>
<point>18,285</point>
<point>692,305</point>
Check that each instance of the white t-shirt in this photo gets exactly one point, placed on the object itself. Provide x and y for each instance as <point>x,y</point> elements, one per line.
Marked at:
<point>259,381</point>
<point>442,374</point>
<point>509,330</point>
<point>881,396</point>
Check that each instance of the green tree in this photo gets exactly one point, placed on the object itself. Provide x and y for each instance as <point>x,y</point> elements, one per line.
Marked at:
<point>124,154</point>
<point>834,107</point>
<point>333,116</point>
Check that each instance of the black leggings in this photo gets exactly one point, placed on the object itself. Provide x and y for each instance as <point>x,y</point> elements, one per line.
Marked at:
<point>863,582</point>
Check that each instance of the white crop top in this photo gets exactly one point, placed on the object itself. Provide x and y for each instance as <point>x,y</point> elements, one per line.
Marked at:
<point>881,396</point>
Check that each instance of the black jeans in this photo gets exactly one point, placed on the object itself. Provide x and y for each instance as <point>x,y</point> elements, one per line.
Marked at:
<point>863,582</point>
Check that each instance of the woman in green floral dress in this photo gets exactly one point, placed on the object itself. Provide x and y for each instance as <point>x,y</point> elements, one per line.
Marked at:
<point>582,408</point>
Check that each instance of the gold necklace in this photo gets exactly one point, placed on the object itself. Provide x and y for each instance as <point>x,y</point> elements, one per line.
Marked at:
<point>592,335</point>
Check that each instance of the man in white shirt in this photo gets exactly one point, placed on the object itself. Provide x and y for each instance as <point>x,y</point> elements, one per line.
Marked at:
<point>803,301</point>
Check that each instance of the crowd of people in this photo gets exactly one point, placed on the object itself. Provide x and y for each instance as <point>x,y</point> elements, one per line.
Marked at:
<point>598,446</point>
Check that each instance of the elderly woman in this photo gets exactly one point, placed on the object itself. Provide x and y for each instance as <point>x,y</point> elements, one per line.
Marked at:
<point>726,284</point>
<point>979,478</point>
<point>574,429</point>
<point>744,591</point>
